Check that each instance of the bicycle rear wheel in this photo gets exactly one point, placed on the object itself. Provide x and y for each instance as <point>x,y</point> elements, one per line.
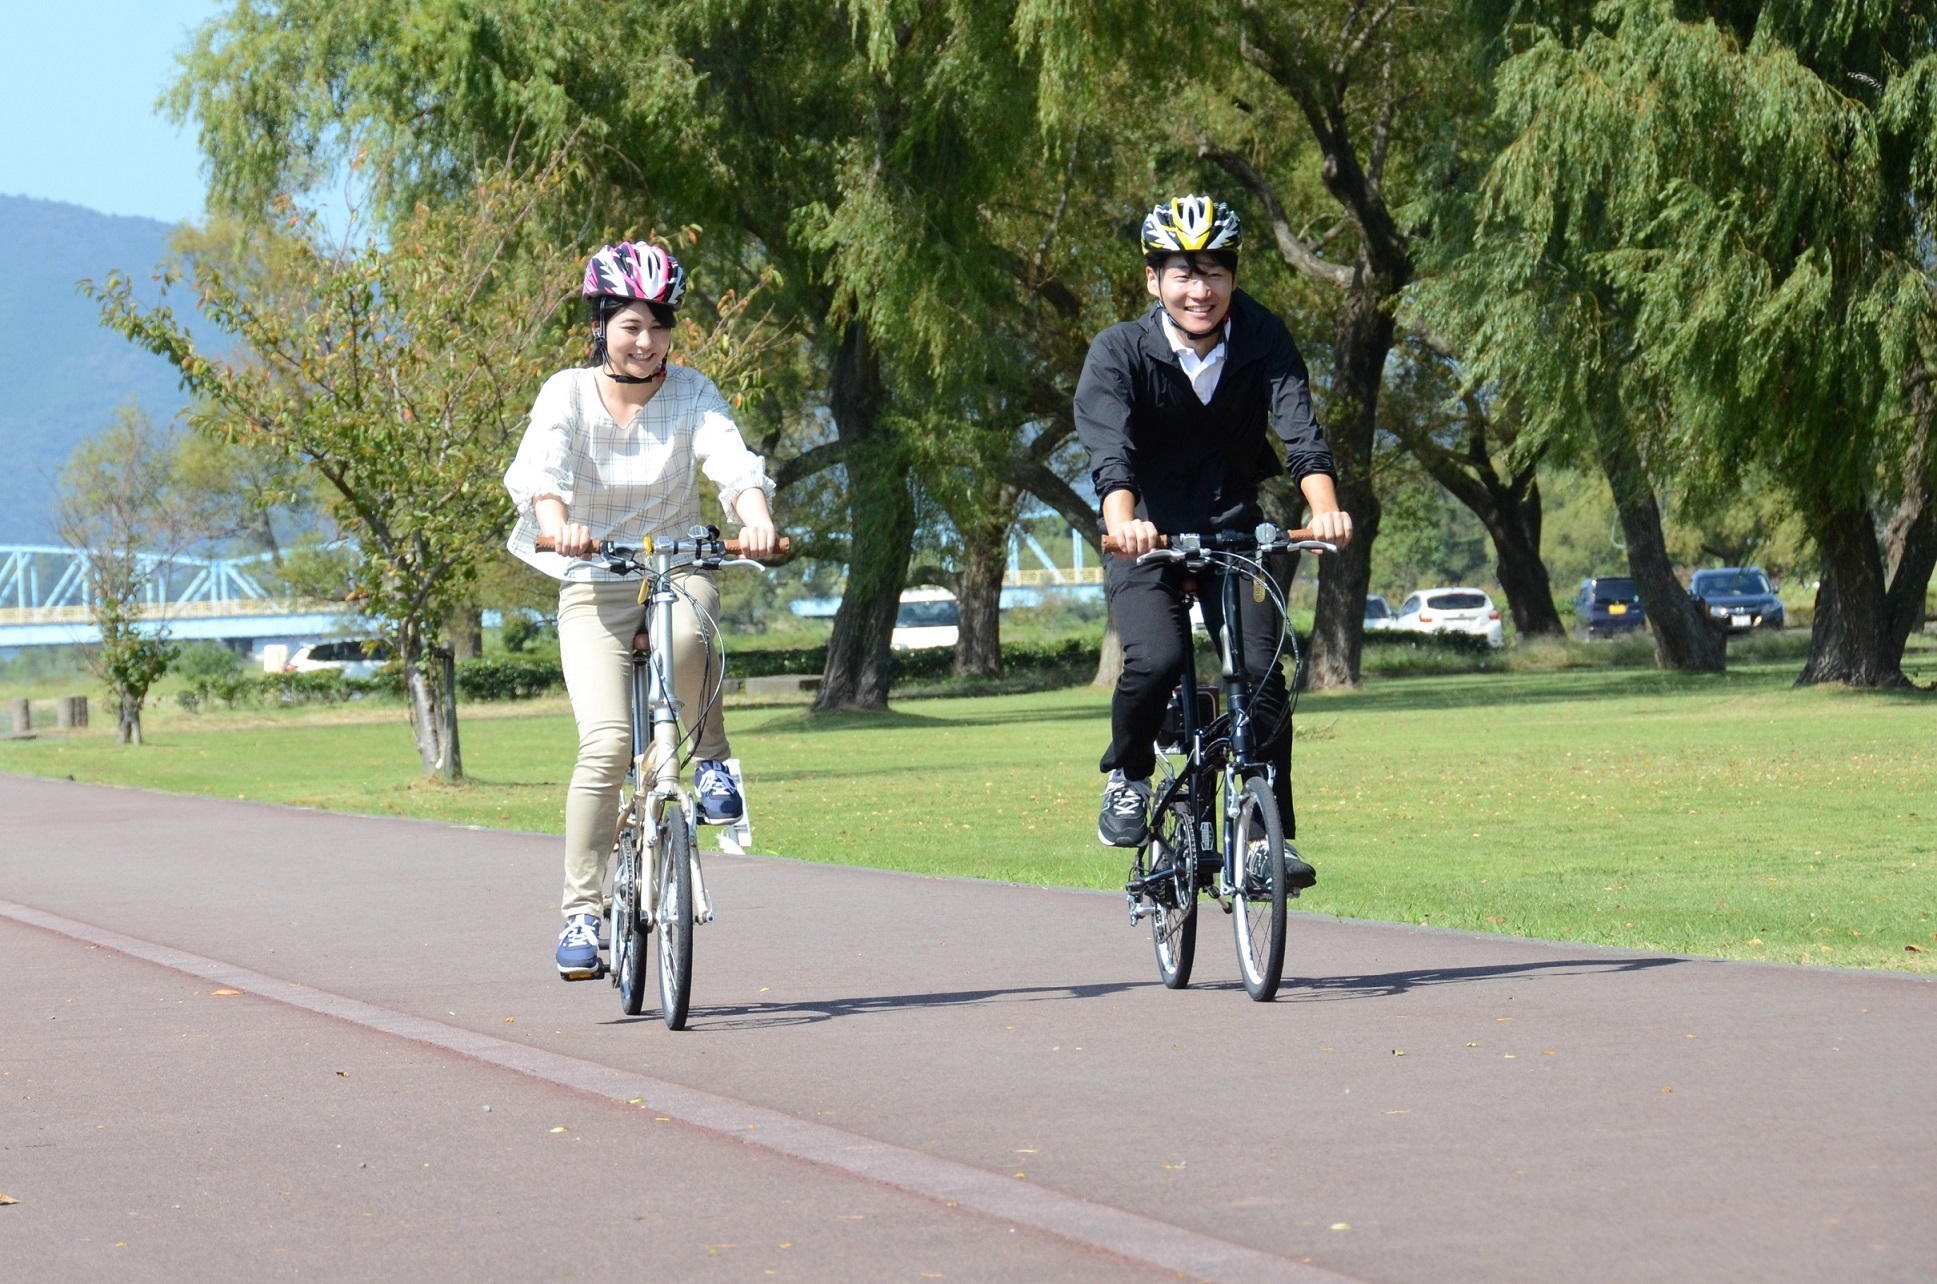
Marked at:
<point>675,919</point>
<point>628,929</point>
<point>1258,840</point>
<point>1173,921</point>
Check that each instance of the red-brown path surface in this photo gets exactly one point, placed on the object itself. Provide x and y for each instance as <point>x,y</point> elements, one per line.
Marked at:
<point>1417,1106</point>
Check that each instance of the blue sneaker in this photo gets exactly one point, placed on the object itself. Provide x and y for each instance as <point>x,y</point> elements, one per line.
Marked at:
<point>719,794</point>
<point>578,949</point>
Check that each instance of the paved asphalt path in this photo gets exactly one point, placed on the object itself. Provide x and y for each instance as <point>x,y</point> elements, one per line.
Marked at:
<point>945,1079</point>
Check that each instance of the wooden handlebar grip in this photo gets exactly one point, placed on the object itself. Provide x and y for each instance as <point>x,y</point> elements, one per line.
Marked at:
<point>1112,548</point>
<point>546,544</point>
<point>785,547</point>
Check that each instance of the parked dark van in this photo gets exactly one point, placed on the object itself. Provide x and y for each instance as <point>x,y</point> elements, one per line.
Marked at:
<point>1608,606</point>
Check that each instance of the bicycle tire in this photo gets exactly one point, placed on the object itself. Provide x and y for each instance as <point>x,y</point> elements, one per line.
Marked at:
<point>674,920</point>
<point>1173,921</point>
<point>628,928</point>
<point>1258,839</point>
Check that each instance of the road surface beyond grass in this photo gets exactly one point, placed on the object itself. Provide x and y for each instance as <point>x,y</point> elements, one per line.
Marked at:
<point>1733,816</point>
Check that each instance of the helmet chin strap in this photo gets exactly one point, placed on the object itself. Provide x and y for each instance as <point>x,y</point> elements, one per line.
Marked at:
<point>616,377</point>
<point>1193,335</point>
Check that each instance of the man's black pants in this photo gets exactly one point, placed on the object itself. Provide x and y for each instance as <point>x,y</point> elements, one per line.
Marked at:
<point>1154,623</point>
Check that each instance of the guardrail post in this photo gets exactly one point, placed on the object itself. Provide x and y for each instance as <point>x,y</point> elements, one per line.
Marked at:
<point>70,712</point>
<point>23,715</point>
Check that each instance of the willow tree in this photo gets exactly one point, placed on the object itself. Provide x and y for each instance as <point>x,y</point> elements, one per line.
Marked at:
<point>855,147</point>
<point>1720,219</point>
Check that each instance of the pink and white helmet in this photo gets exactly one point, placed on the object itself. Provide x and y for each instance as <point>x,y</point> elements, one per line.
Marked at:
<point>636,270</point>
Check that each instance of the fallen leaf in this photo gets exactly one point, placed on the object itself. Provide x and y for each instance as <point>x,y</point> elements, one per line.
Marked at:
<point>8,1199</point>
<point>1509,1056</point>
<point>1914,949</point>
<point>1399,1112</point>
<point>342,1074</point>
<point>1548,1051</point>
<point>1667,1089</point>
<point>1472,1045</point>
<point>221,992</point>
<point>561,1128</point>
<point>1398,1052</point>
<point>1341,1226</point>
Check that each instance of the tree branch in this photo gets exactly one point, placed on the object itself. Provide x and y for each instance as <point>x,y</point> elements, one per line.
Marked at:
<point>807,463</point>
<point>1297,253</point>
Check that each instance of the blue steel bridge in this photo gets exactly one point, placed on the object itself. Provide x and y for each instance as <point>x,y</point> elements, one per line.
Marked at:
<point>44,597</point>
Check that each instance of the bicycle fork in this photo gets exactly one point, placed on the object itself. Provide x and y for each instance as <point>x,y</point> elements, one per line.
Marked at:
<point>655,725</point>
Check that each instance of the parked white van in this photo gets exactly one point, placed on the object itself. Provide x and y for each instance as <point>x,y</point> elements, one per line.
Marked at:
<point>928,617</point>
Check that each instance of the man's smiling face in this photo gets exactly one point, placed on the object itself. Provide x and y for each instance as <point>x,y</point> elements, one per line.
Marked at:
<point>1195,290</point>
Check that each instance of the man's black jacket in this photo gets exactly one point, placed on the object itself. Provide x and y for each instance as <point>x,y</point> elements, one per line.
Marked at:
<point>1196,467</point>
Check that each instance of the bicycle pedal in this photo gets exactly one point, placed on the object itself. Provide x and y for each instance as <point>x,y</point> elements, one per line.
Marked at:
<point>584,974</point>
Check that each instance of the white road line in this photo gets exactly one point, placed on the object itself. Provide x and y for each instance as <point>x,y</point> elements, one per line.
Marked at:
<point>1099,1226</point>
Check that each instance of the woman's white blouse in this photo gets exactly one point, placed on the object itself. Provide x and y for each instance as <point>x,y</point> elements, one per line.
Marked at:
<point>628,482</point>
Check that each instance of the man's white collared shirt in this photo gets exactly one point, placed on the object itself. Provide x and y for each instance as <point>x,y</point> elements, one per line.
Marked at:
<point>1203,372</point>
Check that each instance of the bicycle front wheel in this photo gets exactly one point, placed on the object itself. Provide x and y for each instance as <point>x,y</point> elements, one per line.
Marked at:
<point>628,928</point>
<point>1173,894</point>
<point>1259,843</point>
<point>675,919</point>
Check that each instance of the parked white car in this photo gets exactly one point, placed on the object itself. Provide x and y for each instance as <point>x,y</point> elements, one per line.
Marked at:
<point>1378,614</point>
<point>1451,610</point>
<point>927,617</point>
<point>349,656</point>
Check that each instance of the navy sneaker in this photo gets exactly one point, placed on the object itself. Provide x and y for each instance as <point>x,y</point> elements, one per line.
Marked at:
<point>1126,805</point>
<point>578,949</point>
<point>719,794</point>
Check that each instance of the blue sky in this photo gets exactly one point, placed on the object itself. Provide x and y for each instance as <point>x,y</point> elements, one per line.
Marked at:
<point>78,83</point>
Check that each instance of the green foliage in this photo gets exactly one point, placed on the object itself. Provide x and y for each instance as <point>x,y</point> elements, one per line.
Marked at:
<point>506,679</point>
<point>205,661</point>
<point>123,499</point>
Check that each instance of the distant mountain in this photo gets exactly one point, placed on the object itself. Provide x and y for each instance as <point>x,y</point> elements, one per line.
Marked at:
<point>61,374</point>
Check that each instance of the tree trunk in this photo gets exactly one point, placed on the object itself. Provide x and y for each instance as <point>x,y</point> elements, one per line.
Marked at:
<point>1862,619</point>
<point>127,715</point>
<point>1682,637</point>
<point>467,631</point>
<point>1510,511</point>
<point>881,533</point>
<point>1109,661</point>
<point>430,690</point>
<point>1521,570</point>
<point>978,643</point>
<point>1362,337</point>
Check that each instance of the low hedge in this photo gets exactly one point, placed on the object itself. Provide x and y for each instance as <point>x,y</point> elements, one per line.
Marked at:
<point>281,690</point>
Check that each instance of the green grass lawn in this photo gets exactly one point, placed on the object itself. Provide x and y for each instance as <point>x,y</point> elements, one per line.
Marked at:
<point>1733,816</point>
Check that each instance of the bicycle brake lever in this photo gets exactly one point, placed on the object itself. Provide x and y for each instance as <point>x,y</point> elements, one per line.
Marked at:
<point>745,561</point>
<point>1311,546</point>
<point>1161,555</point>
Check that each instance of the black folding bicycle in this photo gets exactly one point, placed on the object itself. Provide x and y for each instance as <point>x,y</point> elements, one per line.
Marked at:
<point>1217,754</point>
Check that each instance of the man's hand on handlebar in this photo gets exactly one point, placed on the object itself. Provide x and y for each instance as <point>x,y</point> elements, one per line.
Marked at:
<point>1135,538</point>
<point>1334,527</point>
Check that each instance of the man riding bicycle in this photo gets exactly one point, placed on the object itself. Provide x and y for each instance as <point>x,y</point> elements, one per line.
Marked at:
<point>1174,408</point>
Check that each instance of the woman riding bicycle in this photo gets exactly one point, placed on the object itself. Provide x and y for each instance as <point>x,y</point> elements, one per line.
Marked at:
<point>613,452</point>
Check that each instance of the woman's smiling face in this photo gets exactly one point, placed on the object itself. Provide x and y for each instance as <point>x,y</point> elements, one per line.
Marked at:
<point>636,342</point>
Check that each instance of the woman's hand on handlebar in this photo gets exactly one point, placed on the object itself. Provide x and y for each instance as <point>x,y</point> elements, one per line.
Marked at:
<point>759,540</point>
<point>574,539</point>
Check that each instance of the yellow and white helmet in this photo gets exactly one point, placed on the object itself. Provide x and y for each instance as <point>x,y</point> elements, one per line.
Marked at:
<point>1189,224</point>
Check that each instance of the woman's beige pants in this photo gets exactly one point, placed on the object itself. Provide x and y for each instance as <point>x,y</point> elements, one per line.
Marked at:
<point>596,624</point>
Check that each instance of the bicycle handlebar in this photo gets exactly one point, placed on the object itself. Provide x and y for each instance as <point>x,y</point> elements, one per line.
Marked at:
<point>1300,540</point>
<point>731,547</point>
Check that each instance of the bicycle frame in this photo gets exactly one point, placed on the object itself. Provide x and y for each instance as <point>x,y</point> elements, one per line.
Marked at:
<point>1227,740</point>
<point>656,738</point>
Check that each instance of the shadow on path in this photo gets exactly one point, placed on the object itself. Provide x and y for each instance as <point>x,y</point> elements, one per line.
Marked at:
<point>1325,989</point>
<point>755,1016</point>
